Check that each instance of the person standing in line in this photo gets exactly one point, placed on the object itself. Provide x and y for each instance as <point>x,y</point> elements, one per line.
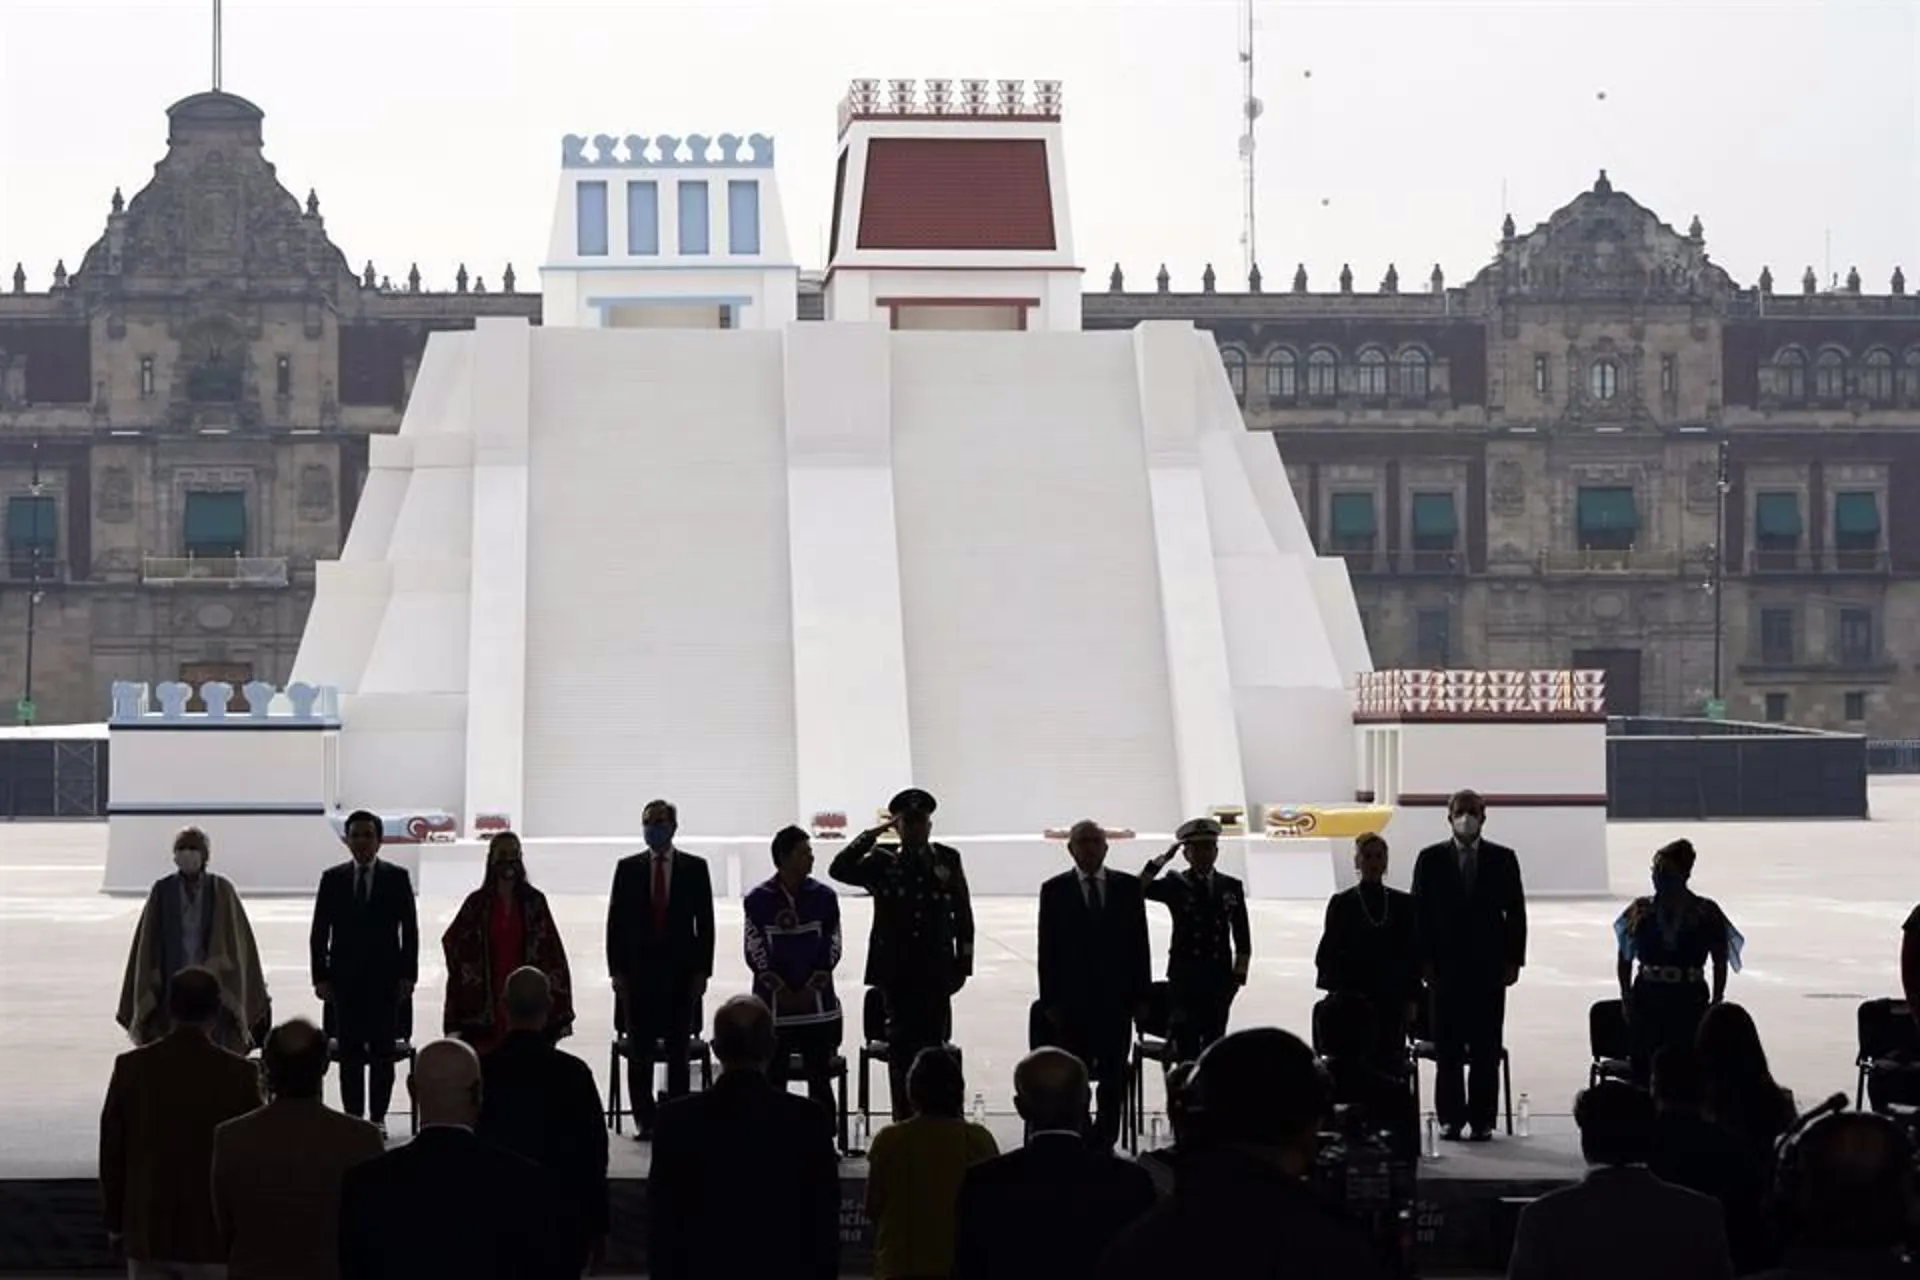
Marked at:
<point>1212,947</point>
<point>503,925</point>
<point>1370,950</point>
<point>920,952</point>
<point>792,941</point>
<point>277,1171</point>
<point>1095,967</point>
<point>195,918</point>
<point>157,1126</point>
<point>660,957</point>
<point>1670,937</point>
<point>364,950</point>
<point>1471,908</point>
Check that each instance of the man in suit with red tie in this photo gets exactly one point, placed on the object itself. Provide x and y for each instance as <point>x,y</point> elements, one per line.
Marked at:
<point>1095,965</point>
<point>660,956</point>
<point>365,954</point>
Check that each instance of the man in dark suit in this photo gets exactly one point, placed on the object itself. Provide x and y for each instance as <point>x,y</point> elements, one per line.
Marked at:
<point>156,1133</point>
<point>1471,910</point>
<point>1050,1209</point>
<point>1620,1220</point>
<point>743,1143</point>
<point>1095,966</point>
<point>277,1171</point>
<point>542,1103</point>
<point>920,948</point>
<point>660,956</point>
<point>448,1204</point>
<point>364,950</point>
<point>1212,946</point>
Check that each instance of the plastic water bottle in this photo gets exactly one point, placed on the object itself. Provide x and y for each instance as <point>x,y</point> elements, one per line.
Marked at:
<point>1154,1132</point>
<point>1432,1146</point>
<point>1525,1120</point>
<point>978,1112</point>
<point>861,1131</point>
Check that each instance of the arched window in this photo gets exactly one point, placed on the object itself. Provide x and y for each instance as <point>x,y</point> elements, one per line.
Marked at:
<point>1786,378</point>
<point>1876,377</point>
<point>1370,381</point>
<point>1323,375</point>
<point>1236,363</point>
<point>1283,375</point>
<point>1414,374</point>
<point>1830,376</point>
<point>1910,377</point>
<point>1604,379</point>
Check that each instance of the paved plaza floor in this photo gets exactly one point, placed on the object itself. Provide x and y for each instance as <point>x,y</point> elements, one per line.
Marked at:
<point>1821,904</point>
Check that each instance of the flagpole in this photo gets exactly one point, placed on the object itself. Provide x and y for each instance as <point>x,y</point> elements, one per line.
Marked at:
<point>216,46</point>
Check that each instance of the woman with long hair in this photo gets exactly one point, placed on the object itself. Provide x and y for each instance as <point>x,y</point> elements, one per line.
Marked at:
<point>502,926</point>
<point>1667,943</point>
<point>1742,1095</point>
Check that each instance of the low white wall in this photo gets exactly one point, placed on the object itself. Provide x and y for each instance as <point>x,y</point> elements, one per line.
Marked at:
<point>1507,758</point>
<point>263,854</point>
<point>277,765</point>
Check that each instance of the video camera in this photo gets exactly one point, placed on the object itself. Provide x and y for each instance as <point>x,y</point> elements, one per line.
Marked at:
<point>1360,1178</point>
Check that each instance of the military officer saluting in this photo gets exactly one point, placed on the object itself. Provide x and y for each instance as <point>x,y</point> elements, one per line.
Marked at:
<point>1212,942</point>
<point>920,951</point>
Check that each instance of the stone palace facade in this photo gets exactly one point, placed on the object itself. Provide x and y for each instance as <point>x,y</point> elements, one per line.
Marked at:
<point>1532,469</point>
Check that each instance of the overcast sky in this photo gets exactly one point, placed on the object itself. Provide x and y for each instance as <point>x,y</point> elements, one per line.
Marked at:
<point>431,127</point>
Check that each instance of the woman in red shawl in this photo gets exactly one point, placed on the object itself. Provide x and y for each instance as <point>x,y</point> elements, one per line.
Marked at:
<point>503,925</point>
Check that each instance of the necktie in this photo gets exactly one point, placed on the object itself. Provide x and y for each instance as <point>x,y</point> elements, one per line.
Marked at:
<point>362,890</point>
<point>1095,899</point>
<point>1469,866</point>
<point>659,893</point>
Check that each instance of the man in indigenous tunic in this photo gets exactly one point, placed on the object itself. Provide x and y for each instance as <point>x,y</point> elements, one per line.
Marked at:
<point>502,925</point>
<point>793,947</point>
<point>195,919</point>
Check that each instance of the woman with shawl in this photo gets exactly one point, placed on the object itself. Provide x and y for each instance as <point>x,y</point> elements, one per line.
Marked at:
<point>503,925</point>
<point>1665,942</point>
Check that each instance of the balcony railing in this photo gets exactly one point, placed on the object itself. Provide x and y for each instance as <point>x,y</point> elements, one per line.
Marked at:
<point>1663,561</point>
<point>1828,560</point>
<point>1411,563</point>
<point>238,571</point>
<point>24,567</point>
<point>1769,560</point>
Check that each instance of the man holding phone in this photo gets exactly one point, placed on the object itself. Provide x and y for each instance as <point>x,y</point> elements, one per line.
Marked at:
<point>1212,947</point>
<point>920,951</point>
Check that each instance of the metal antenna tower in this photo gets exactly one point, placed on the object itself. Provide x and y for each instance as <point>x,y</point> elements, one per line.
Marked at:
<point>1251,109</point>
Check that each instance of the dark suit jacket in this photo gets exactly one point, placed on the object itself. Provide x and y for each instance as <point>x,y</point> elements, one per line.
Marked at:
<point>542,1103</point>
<point>1232,1215</point>
<point>156,1144</point>
<point>1093,966</point>
<point>1210,928</point>
<point>277,1174</point>
<point>1374,955</point>
<point>1046,1211</point>
<point>364,950</point>
<point>448,1204</point>
<point>1621,1222</point>
<point>743,1146</point>
<point>922,933</point>
<point>1477,936</point>
<point>646,960</point>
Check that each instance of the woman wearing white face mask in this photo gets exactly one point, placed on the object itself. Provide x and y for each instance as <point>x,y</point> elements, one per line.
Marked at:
<point>195,918</point>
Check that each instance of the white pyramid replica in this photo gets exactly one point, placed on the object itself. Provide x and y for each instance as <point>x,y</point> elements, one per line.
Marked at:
<point>675,542</point>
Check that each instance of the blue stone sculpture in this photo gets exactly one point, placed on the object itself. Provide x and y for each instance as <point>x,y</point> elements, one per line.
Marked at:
<point>215,694</point>
<point>259,695</point>
<point>302,697</point>
<point>573,152</point>
<point>698,145</point>
<point>173,697</point>
<point>730,148</point>
<point>604,145</point>
<point>669,148</point>
<point>637,151</point>
<point>129,701</point>
<point>762,149</point>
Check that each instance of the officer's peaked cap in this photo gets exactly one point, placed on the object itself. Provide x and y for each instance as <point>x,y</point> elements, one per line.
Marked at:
<point>1198,829</point>
<point>912,800</point>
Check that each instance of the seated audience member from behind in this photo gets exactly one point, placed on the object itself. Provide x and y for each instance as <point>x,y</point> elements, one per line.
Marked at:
<point>914,1171</point>
<point>540,1101</point>
<point>1244,1203</point>
<point>1847,1191</point>
<point>1692,1151</point>
<point>1050,1209</point>
<point>1620,1220</point>
<point>1363,1098</point>
<point>1162,1163</point>
<point>277,1171</point>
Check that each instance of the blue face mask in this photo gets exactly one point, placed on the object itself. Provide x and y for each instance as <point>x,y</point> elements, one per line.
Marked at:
<point>1667,882</point>
<point>658,835</point>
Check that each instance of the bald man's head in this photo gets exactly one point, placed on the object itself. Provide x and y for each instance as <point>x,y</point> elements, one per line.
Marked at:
<point>529,999</point>
<point>295,1059</point>
<point>1856,1176</point>
<point>743,1034</point>
<point>1050,1090</point>
<point>445,1083</point>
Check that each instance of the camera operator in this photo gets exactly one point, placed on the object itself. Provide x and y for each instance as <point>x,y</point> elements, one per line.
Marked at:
<point>1244,1204</point>
<point>1846,1190</point>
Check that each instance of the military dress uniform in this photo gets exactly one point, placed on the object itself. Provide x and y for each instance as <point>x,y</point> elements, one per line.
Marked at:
<point>1211,947</point>
<point>920,950</point>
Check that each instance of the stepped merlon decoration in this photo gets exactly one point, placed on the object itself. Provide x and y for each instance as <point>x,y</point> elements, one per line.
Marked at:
<point>935,99</point>
<point>666,151</point>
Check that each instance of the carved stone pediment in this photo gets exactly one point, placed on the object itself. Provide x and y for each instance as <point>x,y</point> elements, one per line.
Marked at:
<point>1605,244</point>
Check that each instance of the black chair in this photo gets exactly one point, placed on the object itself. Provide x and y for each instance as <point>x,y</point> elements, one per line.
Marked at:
<point>401,1051</point>
<point>837,1072</point>
<point>699,1053</point>
<point>1422,1049</point>
<point>1152,1042</point>
<point>874,1047</point>
<point>1610,1042</point>
<point>1889,1044</point>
